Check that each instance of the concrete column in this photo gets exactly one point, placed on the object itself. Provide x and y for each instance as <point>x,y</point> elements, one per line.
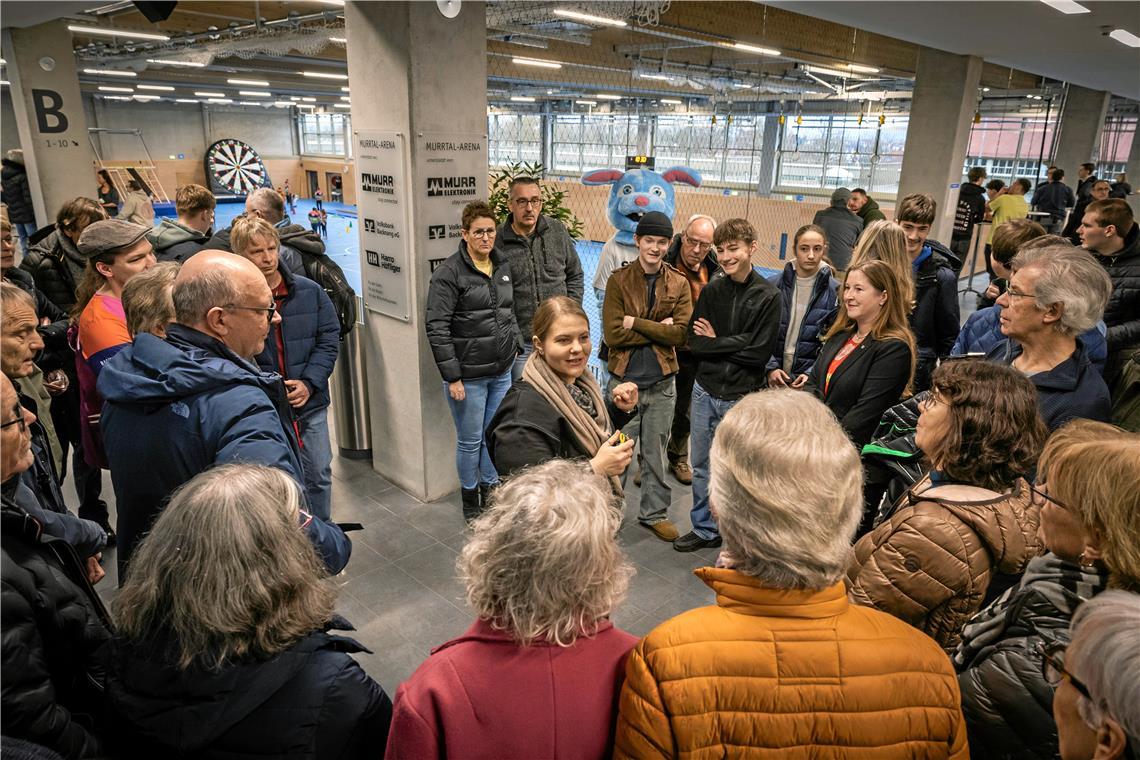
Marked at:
<point>769,145</point>
<point>413,49</point>
<point>50,118</point>
<point>945,96</point>
<point>1079,130</point>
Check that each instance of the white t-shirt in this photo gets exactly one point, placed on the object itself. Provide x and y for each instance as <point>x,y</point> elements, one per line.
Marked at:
<point>614,256</point>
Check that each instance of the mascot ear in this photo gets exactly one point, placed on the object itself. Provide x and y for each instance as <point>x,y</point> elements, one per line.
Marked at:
<point>682,174</point>
<point>601,177</point>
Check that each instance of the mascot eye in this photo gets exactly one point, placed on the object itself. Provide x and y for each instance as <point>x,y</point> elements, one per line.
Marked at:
<point>626,189</point>
<point>659,192</point>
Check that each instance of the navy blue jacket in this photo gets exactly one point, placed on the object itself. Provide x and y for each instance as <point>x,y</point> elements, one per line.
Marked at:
<point>936,316</point>
<point>310,330</point>
<point>820,314</point>
<point>174,408</point>
<point>1073,389</point>
<point>1055,198</point>
<point>311,701</point>
<point>982,332</point>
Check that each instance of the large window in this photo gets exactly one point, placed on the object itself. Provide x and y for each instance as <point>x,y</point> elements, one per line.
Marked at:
<point>513,137</point>
<point>1010,146</point>
<point>322,134</point>
<point>1115,144</point>
<point>724,149</point>
<point>588,141</point>
<point>828,151</point>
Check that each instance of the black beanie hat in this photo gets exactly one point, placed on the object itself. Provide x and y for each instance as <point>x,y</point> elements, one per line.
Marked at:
<point>655,223</point>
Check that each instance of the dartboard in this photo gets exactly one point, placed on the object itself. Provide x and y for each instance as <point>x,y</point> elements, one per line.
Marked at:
<point>235,167</point>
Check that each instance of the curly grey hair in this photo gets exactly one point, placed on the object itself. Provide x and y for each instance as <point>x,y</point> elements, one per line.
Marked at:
<point>1070,277</point>
<point>544,562</point>
<point>1105,656</point>
<point>786,487</point>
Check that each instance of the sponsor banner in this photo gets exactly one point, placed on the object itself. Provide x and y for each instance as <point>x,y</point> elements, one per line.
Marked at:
<point>382,205</point>
<point>451,171</point>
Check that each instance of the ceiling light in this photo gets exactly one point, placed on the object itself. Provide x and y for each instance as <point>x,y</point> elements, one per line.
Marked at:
<point>586,102</point>
<point>1068,7</point>
<point>3,62</point>
<point>658,77</point>
<point>305,105</point>
<point>742,86</point>
<point>186,100</point>
<point>672,102</point>
<point>104,88</point>
<point>250,82</point>
<point>97,30</point>
<point>985,89</point>
<point>147,97</point>
<point>344,89</point>
<point>341,40</point>
<point>110,72</point>
<point>1125,37</point>
<point>589,18</point>
<point>255,93</point>
<point>252,103</point>
<point>344,97</point>
<point>283,103</point>
<point>115,97</point>
<point>608,97</point>
<point>332,2</point>
<point>204,94</point>
<point>862,69</point>
<point>827,70</point>
<point>5,83</point>
<point>522,99</point>
<point>220,100</point>
<point>341,105</point>
<point>323,75</point>
<point>309,100</point>
<point>1029,96</point>
<point>158,87</point>
<point>1037,97</point>
<point>754,49</point>
<point>172,62</point>
<point>536,62</point>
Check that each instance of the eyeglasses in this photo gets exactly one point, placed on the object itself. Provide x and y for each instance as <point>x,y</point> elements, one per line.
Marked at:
<point>928,401</point>
<point>269,310</point>
<point>482,233</point>
<point>1053,667</point>
<point>1039,497</point>
<point>527,202</point>
<point>697,244</point>
<point>1018,294</point>
<point>20,421</point>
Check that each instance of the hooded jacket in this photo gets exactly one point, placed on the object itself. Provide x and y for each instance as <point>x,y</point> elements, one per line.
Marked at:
<point>174,241</point>
<point>843,230</point>
<point>931,562</point>
<point>309,702</point>
<point>1122,313</point>
<point>138,208</point>
<point>310,333</point>
<point>970,210</point>
<point>1007,702</point>
<point>787,673</point>
<point>17,194</point>
<point>57,267</point>
<point>870,212</point>
<point>936,317</point>
<point>821,310</point>
<point>54,625</point>
<point>1070,390</point>
<point>982,332</point>
<point>543,265</point>
<point>286,254</point>
<point>177,406</point>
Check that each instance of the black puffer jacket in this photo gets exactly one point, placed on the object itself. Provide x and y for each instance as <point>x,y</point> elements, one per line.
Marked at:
<point>471,323</point>
<point>53,627</point>
<point>936,319</point>
<point>17,194</point>
<point>1006,701</point>
<point>310,702</point>
<point>1122,314</point>
<point>57,268</point>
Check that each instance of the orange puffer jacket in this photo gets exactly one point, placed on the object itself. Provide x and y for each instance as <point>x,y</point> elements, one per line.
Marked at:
<point>931,562</point>
<point>791,675</point>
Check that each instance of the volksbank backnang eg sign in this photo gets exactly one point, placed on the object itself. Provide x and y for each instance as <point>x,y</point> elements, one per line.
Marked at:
<point>451,186</point>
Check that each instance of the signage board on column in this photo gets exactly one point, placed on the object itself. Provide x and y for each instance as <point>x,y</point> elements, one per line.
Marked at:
<point>451,169</point>
<point>381,193</point>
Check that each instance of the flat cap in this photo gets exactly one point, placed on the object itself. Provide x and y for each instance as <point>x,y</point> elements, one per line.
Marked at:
<point>109,234</point>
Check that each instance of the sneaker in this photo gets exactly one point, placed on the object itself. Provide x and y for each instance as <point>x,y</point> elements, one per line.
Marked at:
<point>682,472</point>
<point>691,542</point>
<point>665,530</point>
<point>106,526</point>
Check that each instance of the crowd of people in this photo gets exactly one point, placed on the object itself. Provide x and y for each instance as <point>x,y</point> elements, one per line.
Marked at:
<point>928,532</point>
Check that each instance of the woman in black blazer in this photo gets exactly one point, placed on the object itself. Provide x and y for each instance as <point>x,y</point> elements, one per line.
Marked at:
<point>867,360</point>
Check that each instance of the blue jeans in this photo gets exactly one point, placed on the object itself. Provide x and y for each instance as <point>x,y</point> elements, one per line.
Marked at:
<point>316,459</point>
<point>704,415</point>
<point>25,230</point>
<point>471,416</point>
<point>651,429</point>
<point>604,378</point>
<point>520,361</point>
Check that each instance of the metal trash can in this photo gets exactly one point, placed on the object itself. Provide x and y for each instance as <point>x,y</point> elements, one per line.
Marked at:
<point>349,387</point>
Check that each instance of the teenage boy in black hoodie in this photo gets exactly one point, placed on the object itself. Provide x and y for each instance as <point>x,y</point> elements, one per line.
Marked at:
<point>732,334</point>
<point>971,210</point>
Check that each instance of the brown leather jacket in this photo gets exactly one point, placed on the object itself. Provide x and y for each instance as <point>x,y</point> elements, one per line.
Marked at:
<point>931,562</point>
<point>626,294</point>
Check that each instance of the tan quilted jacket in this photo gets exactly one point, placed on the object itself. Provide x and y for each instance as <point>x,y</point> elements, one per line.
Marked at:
<point>931,562</point>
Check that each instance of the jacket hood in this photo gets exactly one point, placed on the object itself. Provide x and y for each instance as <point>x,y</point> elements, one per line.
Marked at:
<point>304,240</point>
<point>870,205</point>
<point>15,166</point>
<point>970,189</point>
<point>948,258</point>
<point>188,362</point>
<point>1006,523</point>
<point>170,232</point>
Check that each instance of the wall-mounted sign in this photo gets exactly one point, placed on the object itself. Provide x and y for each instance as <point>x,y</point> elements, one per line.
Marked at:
<point>381,193</point>
<point>451,171</point>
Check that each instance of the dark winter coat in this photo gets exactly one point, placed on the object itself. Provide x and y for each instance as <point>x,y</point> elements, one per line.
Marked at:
<point>868,382</point>
<point>1054,198</point>
<point>1085,186</point>
<point>545,264</point>
<point>311,334</point>
<point>527,430</point>
<point>287,255</point>
<point>470,317</point>
<point>1071,390</point>
<point>174,241</point>
<point>56,354</point>
<point>982,332</point>
<point>54,624</point>
<point>1075,218</point>
<point>970,210</point>
<point>310,702</point>
<point>178,406</point>
<point>746,319</point>
<point>57,268</point>
<point>936,317</point>
<point>871,212</point>
<point>1122,313</point>
<point>821,311</point>
<point>673,257</point>
<point>843,229</point>
<point>17,194</point>
<point>1007,703</point>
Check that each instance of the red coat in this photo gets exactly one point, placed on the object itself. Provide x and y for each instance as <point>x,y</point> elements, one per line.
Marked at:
<point>484,696</point>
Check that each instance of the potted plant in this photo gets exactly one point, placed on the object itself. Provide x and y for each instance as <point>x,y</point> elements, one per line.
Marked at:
<point>552,198</point>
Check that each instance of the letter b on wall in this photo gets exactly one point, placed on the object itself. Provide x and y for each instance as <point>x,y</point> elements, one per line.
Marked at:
<point>50,117</point>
